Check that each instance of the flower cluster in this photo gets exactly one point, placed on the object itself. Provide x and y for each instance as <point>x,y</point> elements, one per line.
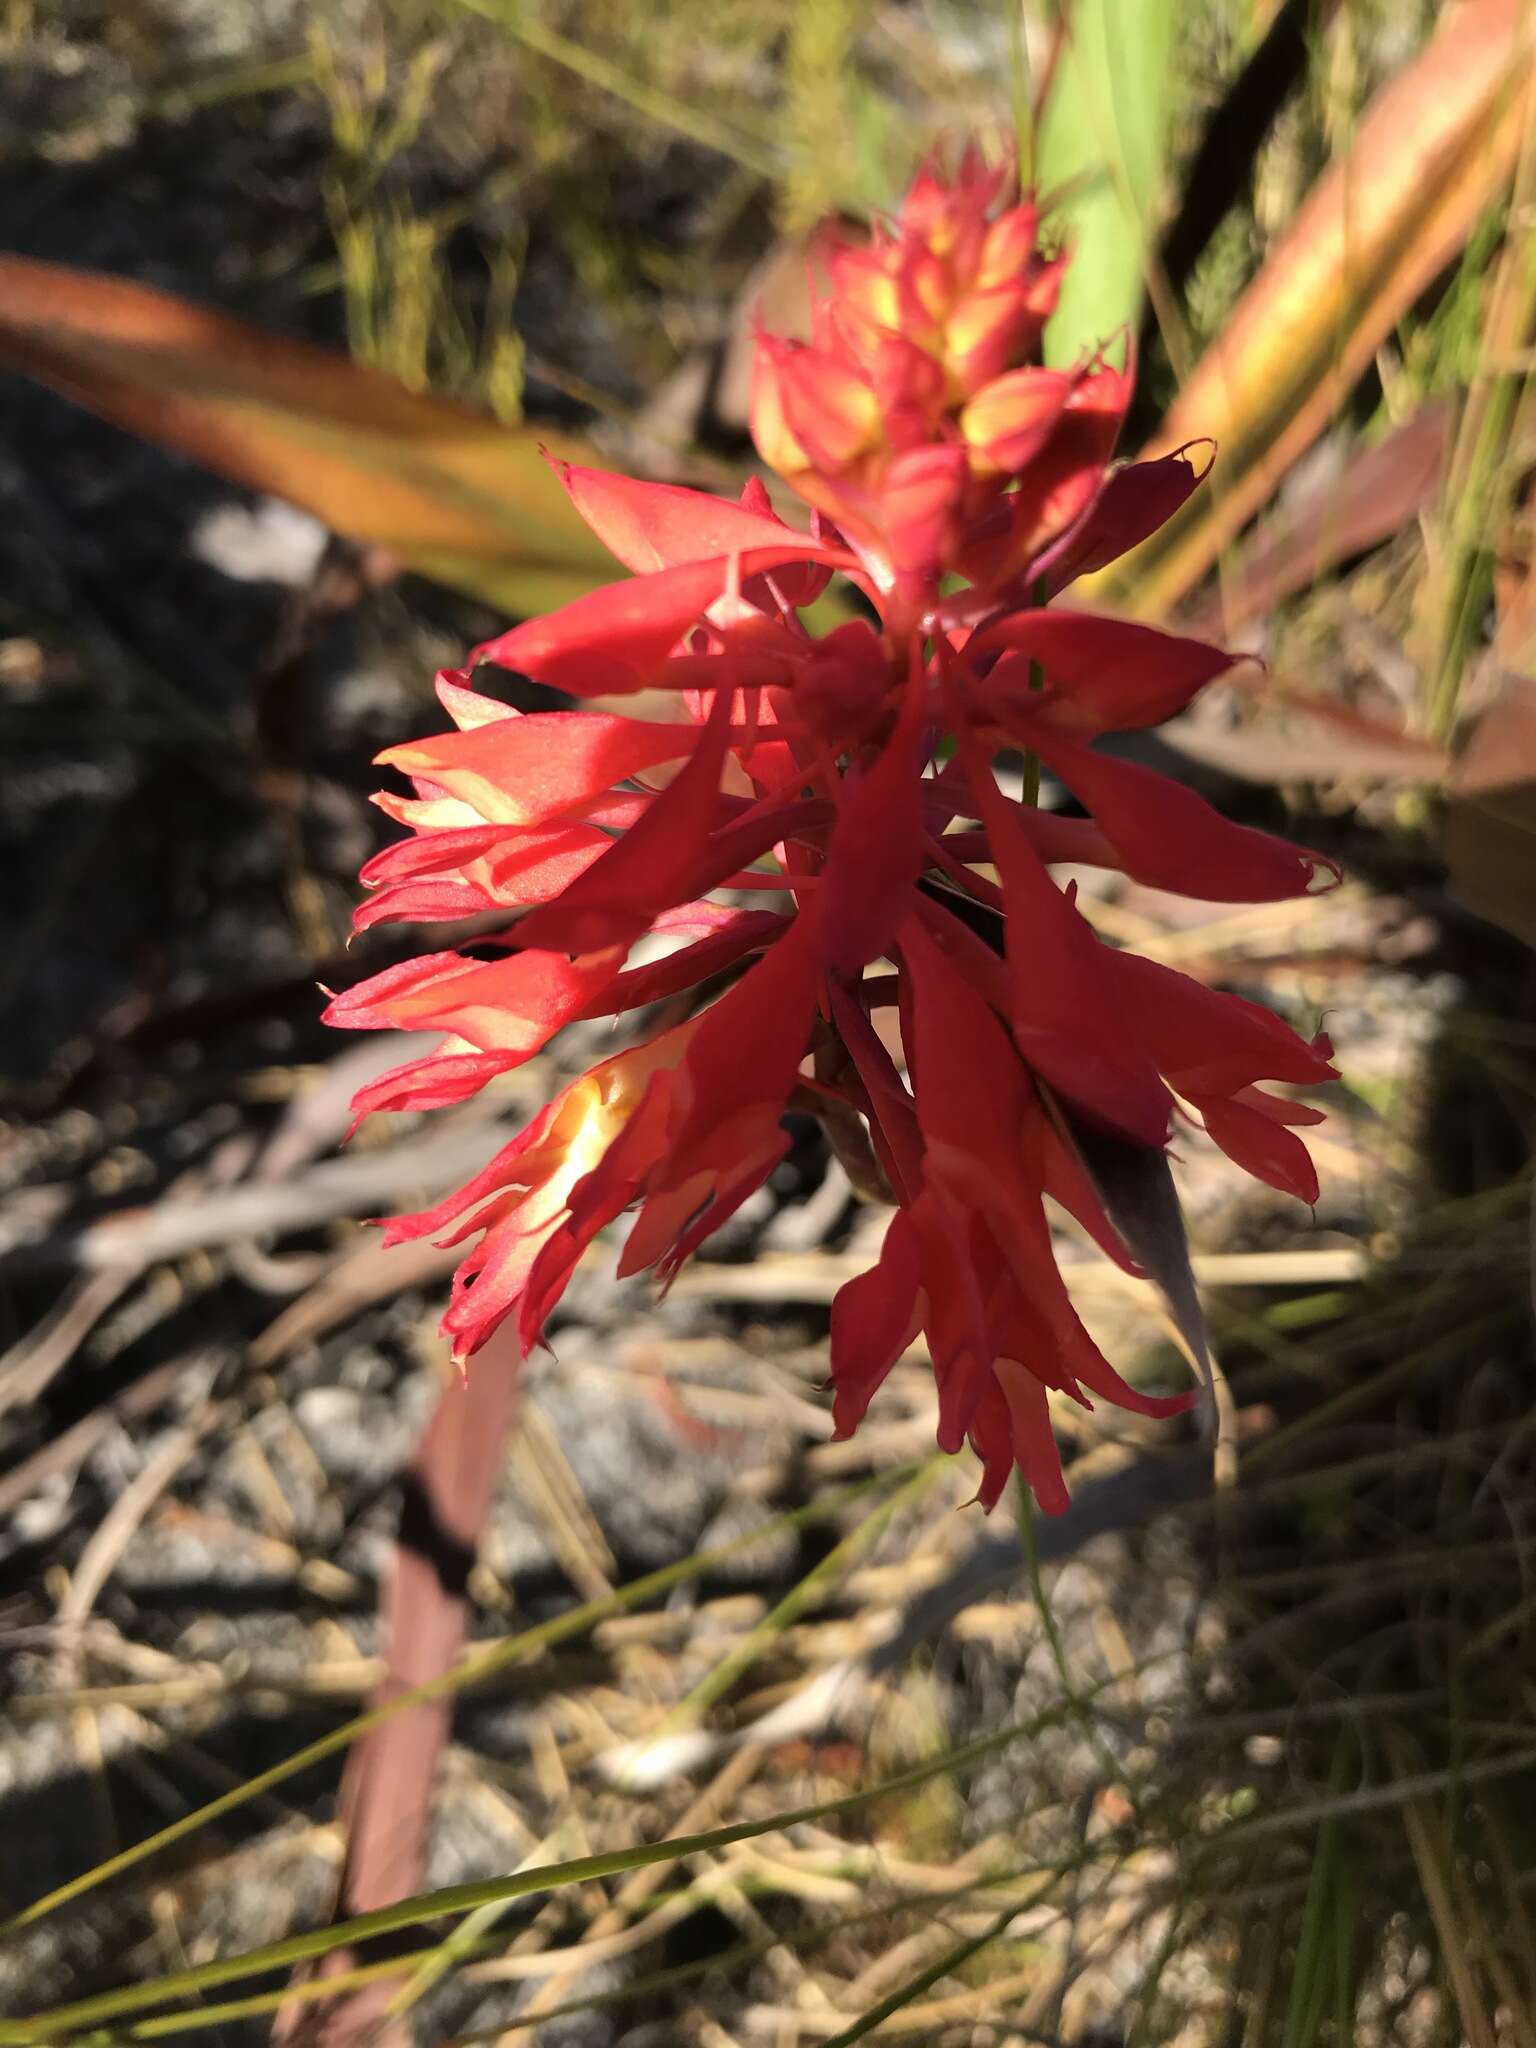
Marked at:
<point>823,818</point>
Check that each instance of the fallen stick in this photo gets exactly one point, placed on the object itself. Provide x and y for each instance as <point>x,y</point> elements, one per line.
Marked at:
<point>359,1184</point>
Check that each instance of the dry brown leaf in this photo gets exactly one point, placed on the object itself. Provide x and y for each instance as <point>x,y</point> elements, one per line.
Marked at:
<point>1302,737</point>
<point>1490,823</point>
<point>1375,495</point>
<point>1434,149</point>
<point>450,492</point>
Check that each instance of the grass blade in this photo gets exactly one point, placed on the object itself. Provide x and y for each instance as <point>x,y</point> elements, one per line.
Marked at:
<point>467,1898</point>
<point>1102,135</point>
<point>515,1650</point>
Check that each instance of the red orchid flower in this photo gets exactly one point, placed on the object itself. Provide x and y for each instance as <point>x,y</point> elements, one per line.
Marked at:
<point>853,777</point>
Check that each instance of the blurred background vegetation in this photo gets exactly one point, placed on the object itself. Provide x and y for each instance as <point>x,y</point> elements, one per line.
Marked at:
<point>1249,1764</point>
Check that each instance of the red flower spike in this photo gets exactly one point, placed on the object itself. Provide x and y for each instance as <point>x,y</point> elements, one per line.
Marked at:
<point>918,419</point>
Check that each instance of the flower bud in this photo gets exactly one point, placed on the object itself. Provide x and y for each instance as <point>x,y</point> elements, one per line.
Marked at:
<point>1009,422</point>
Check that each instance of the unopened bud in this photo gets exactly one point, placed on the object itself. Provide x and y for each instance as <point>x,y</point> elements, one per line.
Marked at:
<point>1012,419</point>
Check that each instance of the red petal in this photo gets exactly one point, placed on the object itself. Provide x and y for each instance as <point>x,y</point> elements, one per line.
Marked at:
<point>840,687</point>
<point>615,639</point>
<point>1168,837</point>
<point>430,853</point>
<point>1077,842</point>
<point>1063,478</point>
<point>1207,1041</point>
<point>727,1200</point>
<point>515,1005</point>
<point>658,526</point>
<point>748,931</point>
<point>1134,502</point>
<point>1281,1109</point>
<point>1010,420</point>
<point>992,1441</point>
<point>1068,1020</point>
<point>1031,1441</point>
<point>538,865</point>
<point>980,1117</point>
<point>876,850</point>
<point>468,707</point>
<point>524,769</point>
<point>483,867</point>
<point>1105,674</point>
<point>366,1005</point>
<point>612,1186</point>
<point>432,900</point>
<point>893,1118</point>
<point>1067,1181</point>
<point>430,1083</point>
<point>794,586</point>
<point>874,1319</point>
<point>496,1177</point>
<point>654,866</point>
<point>1260,1145</point>
<point>729,1092</point>
<point>830,409</point>
<point>920,497</point>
